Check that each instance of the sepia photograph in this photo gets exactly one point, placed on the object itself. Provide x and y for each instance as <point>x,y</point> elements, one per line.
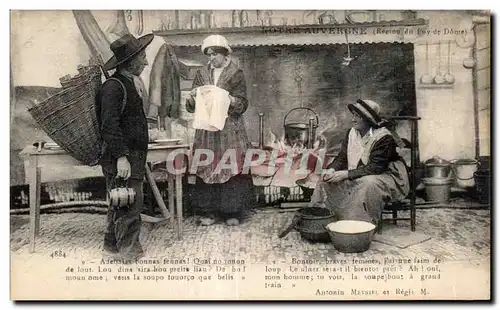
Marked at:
<point>250,154</point>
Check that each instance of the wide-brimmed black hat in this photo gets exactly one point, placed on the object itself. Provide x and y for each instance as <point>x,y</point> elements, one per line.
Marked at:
<point>125,48</point>
<point>367,109</point>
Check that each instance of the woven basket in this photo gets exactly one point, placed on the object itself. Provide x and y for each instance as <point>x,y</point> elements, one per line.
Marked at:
<point>69,118</point>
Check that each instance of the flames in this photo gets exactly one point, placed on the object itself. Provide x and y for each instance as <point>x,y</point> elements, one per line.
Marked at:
<point>289,159</point>
<point>280,144</point>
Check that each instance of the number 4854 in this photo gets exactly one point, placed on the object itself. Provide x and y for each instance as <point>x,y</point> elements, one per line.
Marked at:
<point>57,254</point>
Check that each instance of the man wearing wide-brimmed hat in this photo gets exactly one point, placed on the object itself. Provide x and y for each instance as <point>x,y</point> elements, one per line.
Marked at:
<point>368,170</point>
<point>124,131</point>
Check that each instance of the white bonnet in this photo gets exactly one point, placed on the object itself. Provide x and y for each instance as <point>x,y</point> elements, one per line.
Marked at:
<point>215,40</point>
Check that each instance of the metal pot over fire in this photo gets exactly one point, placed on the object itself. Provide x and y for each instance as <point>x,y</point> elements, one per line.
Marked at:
<point>301,133</point>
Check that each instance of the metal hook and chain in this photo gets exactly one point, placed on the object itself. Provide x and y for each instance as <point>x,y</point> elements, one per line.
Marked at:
<point>299,77</point>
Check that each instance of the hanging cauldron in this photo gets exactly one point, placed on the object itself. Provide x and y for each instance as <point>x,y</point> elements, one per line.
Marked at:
<point>301,133</point>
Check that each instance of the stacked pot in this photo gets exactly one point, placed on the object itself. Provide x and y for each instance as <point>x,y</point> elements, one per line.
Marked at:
<point>438,180</point>
<point>471,176</point>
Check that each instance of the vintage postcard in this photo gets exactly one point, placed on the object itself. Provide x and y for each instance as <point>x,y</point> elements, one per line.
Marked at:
<point>250,155</point>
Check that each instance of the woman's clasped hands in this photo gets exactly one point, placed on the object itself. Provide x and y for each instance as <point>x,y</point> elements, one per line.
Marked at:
<point>336,176</point>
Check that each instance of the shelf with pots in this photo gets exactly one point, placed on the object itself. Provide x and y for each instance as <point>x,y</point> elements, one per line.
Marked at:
<point>440,80</point>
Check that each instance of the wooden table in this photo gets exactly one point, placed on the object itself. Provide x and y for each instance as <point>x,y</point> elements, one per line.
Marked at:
<point>36,161</point>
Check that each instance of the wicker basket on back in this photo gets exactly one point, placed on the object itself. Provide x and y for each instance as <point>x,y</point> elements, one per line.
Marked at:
<point>69,117</point>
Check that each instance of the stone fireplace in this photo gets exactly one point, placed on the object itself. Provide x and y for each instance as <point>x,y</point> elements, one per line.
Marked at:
<point>306,68</point>
<point>281,78</point>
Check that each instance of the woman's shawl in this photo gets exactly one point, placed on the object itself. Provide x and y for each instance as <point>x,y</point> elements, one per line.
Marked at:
<point>234,135</point>
<point>359,148</point>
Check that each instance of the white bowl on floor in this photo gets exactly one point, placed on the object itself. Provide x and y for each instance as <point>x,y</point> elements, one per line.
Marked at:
<point>349,236</point>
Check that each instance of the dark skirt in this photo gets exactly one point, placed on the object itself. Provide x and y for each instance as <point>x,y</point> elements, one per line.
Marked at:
<point>229,199</point>
<point>363,199</point>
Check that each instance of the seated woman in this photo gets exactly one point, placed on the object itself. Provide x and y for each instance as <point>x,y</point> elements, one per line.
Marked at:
<point>367,173</point>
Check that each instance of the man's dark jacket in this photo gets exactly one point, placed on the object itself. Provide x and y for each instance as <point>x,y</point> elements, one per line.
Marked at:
<point>124,131</point>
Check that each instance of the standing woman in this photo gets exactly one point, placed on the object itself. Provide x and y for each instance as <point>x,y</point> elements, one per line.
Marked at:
<point>222,193</point>
<point>368,171</point>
